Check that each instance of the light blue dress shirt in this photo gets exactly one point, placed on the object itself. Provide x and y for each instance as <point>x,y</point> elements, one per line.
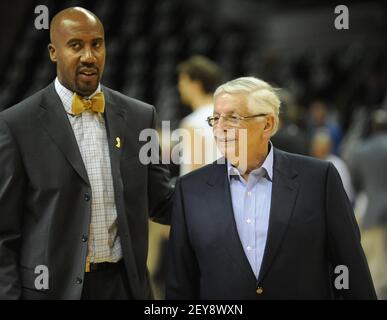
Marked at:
<point>251,202</point>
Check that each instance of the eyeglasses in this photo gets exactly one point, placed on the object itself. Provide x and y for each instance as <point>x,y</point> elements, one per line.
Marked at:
<point>231,120</point>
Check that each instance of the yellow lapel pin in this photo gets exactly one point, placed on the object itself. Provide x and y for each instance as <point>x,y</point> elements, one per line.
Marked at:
<point>118,142</point>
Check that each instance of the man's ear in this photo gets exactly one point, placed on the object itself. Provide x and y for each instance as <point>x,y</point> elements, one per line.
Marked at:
<point>269,125</point>
<point>52,52</point>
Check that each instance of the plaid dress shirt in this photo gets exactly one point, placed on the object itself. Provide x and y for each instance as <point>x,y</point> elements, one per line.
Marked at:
<point>90,132</point>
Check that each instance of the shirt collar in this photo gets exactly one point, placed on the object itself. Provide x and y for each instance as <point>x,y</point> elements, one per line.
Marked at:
<point>267,166</point>
<point>66,95</point>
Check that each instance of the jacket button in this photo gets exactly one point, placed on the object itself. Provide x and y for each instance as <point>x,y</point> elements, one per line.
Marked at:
<point>84,238</point>
<point>259,290</point>
<point>78,281</point>
<point>87,197</point>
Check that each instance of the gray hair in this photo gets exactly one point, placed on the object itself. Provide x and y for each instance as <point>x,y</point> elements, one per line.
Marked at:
<point>260,95</point>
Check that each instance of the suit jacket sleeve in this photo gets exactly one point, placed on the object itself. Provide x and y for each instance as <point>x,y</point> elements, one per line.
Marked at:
<point>12,183</point>
<point>160,190</point>
<point>183,275</point>
<point>344,241</point>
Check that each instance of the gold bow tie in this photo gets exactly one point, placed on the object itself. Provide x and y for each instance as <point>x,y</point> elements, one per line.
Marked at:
<point>80,104</point>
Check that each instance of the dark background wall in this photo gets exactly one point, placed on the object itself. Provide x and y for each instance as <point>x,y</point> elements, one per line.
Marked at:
<point>12,16</point>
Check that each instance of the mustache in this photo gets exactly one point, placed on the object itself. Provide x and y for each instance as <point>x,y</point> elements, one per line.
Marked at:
<point>87,68</point>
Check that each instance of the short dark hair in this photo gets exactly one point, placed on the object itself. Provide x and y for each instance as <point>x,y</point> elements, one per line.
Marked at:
<point>204,70</point>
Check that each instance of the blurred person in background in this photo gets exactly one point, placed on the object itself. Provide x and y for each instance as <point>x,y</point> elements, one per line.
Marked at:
<point>369,173</point>
<point>321,148</point>
<point>74,196</point>
<point>198,78</point>
<point>321,119</point>
<point>291,136</point>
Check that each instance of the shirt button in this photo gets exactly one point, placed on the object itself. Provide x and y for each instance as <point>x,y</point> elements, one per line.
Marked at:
<point>259,290</point>
<point>87,197</point>
<point>248,248</point>
<point>84,238</point>
<point>248,221</point>
<point>249,193</point>
<point>78,281</point>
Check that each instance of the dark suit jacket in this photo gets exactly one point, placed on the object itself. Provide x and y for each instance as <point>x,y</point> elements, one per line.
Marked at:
<point>45,191</point>
<point>312,229</point>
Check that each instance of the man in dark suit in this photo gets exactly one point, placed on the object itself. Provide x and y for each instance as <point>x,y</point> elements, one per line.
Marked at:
<point>265,224</point>
<point>74,196</point>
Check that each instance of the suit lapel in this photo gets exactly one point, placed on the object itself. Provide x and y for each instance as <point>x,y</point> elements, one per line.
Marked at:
<point>284,193</point>
<point>115,119</point>
<point>115,122</point>
<point>54,120</point>
<point>219,200</point>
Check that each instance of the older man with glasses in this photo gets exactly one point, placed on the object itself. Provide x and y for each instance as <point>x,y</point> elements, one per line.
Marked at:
<point>261,223</point>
